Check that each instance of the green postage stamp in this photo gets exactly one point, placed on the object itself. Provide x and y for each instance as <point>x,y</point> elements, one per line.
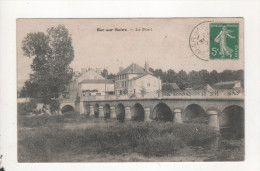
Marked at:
<point>224,40</point>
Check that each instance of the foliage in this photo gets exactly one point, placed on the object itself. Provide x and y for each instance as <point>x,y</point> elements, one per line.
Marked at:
<point>38,121</point>
<point>105,74</point>
<point>26,108</point>
<point>148,139</point>
<point>52,52</point>
<point>54,105</point>
<point>30,89</point>
<point>197,78</point>
<point>229,150</point>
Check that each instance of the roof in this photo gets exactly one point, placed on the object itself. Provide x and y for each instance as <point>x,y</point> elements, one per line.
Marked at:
<point>173,85</point>
<point>227,82</point>
<point>202,87</point>
<point>133,69</point>
<point>97,81</point>
<point>140,76</point>
<point>225,85</point>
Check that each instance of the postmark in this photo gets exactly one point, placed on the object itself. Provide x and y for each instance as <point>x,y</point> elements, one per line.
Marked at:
<point>224,42</point>
<point>199,41</point>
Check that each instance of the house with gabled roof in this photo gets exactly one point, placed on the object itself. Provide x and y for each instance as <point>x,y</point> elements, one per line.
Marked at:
<point>227,85</point>
<point>170,87</point>
<point>88,82</point>
<point>206,88</point>
<point>132,78</point>
<point>146,84</point>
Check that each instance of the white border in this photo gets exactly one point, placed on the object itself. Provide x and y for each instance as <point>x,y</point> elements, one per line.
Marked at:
<point>11,10</point>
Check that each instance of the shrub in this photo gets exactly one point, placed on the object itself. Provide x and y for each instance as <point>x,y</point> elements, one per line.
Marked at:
<point>37,121</point>
<point>160,146</point>
<point>54,105</point>
<point>71,114</point>
<point>149,139</point>
<point>26,108</point>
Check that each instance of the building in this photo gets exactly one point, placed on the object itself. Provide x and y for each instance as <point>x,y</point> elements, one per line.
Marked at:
<point>86,83</point>
<point>170,87</point>
<point>206,88</point>
<point>143,85</point>
<point>129,80</point>
<point>93,87</point>
<point>122,77</point>
<point>228,85</point>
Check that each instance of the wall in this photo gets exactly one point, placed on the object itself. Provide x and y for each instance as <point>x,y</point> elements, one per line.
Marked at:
<point>149,82</point>
<point>99,87</point>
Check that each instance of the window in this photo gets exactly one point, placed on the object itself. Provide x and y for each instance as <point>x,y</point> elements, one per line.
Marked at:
<point>148,84</point>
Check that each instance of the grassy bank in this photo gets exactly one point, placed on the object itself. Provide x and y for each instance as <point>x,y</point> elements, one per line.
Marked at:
<point>42,144</point>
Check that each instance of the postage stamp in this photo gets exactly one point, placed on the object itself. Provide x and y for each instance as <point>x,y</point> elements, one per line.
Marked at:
<point>224,40</point>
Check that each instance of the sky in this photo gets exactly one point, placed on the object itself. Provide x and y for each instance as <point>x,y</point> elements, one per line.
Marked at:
<point>164,44</point>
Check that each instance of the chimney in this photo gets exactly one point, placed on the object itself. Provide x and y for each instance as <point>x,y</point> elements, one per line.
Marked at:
<point>146,67</point>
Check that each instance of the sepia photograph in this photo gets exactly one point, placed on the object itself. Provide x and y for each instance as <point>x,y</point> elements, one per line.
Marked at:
<point>130,90</point>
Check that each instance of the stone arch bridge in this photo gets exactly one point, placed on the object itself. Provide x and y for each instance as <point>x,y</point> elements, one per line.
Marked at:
<point>215,111</point>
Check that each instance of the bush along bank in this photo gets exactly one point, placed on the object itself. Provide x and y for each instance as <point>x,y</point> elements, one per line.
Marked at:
<point>148,139</point>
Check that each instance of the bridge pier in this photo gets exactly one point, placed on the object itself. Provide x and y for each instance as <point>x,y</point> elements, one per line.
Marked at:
<point>112,112</point>
<point>213,119</point>
<point>128,115</point>
<point>81,108</point>
<point>147,113</point>
<point>101,112</point>
<point>92,112</point>
<point>177,116</point>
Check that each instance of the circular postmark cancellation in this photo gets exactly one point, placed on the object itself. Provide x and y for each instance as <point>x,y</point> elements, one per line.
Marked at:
<point>199,41</point>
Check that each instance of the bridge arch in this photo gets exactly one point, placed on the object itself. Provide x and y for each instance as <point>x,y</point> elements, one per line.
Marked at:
<point>231,121</point>
<point>195,113</point>
<point>138,112</point>
<point>67,108</point>
<point>107,111</point>
<point>162,112</point>
<point>96,110</point>
<point>120,112</point>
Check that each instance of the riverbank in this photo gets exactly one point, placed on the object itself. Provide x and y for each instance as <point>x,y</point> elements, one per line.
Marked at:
<point>96,140</point>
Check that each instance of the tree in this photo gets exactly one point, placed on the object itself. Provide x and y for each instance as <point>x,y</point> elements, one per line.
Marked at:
<point>29,90</point>
<point>171,76</point>
<point>52,52</point>
<point>105,74</point>
<point>204,76</point>
<point>214,77</point>
<point>181,79</point>
<point>226,75</point>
